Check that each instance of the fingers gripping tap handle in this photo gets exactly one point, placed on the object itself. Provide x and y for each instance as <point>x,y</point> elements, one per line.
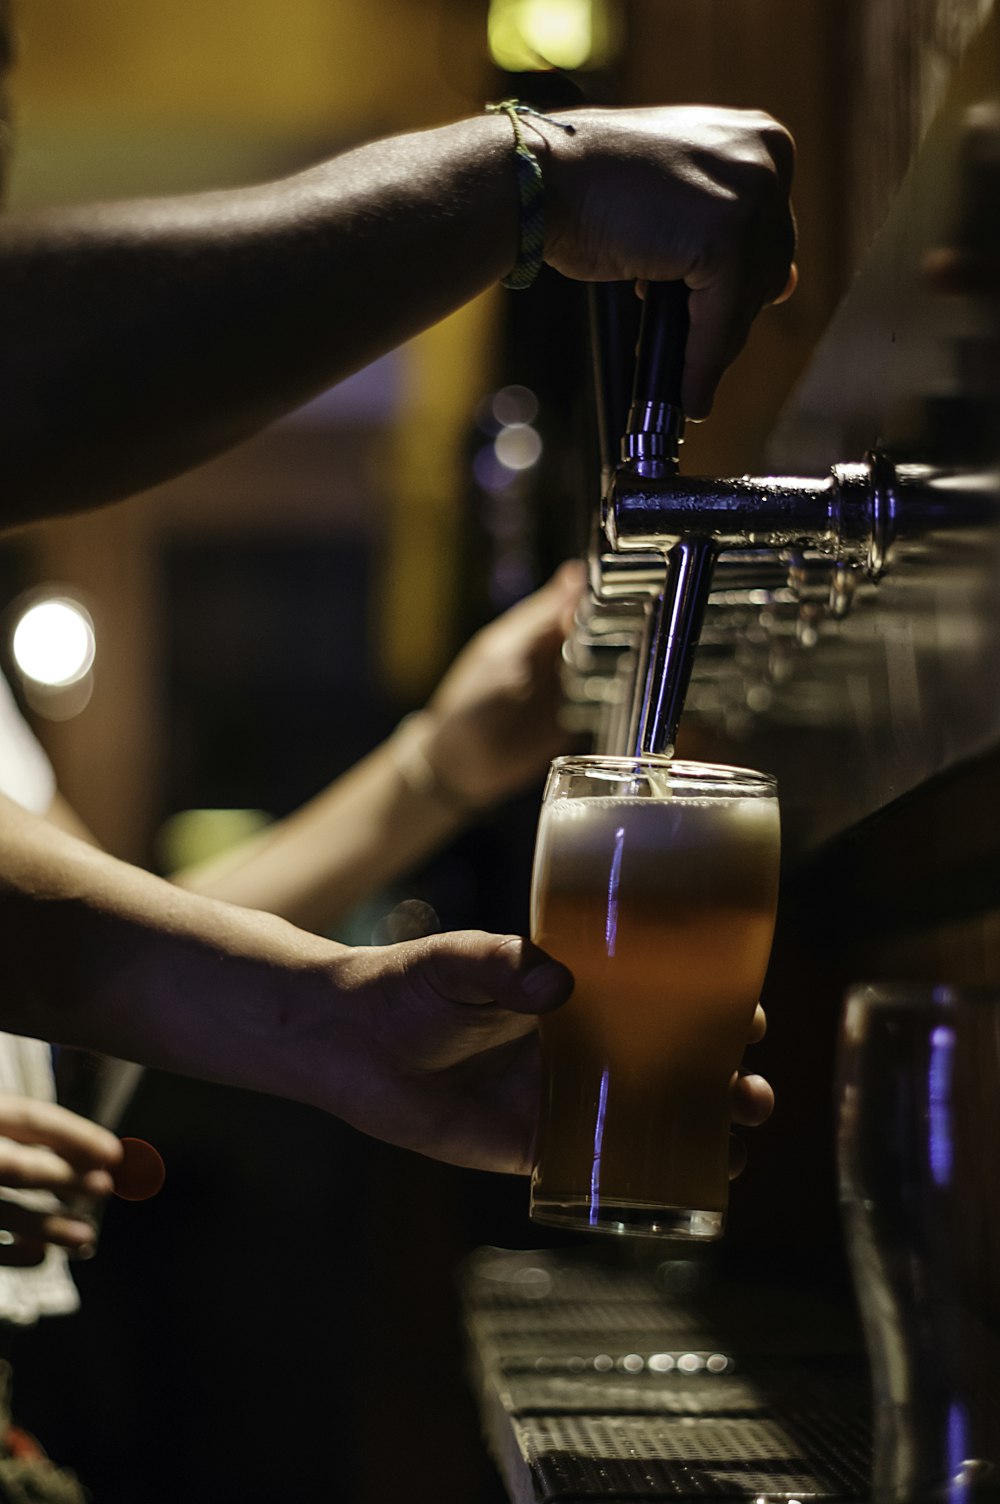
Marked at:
<point>655,428</point>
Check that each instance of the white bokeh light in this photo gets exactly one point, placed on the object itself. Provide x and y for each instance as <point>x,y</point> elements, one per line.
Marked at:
<point>518,447</point>
<point>53,642</point>
<point>514,404</point>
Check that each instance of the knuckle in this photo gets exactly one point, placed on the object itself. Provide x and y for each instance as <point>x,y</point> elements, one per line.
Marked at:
<point>21,1115</point>
<point>781,139</point>
<point>28,1171</point>
<point>11,1173</point>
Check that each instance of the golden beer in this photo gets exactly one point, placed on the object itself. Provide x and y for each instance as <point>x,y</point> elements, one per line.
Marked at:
<point>656,884</point>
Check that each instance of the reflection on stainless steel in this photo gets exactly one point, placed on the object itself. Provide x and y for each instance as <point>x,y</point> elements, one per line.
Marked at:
<point>822,535</point>
<point>855,514</point>
<point>756,544</point>
<point>671,629</point>
<point>919,1146</point>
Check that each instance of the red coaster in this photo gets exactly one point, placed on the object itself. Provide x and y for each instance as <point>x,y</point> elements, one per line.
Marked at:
<point>141,1173</point>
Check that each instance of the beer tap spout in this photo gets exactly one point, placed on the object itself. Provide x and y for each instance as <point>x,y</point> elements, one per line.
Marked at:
<point>673,624</point>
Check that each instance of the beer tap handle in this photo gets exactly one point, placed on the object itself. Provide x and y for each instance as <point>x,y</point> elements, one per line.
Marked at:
<point>655,427</point>
<point>663,332</point>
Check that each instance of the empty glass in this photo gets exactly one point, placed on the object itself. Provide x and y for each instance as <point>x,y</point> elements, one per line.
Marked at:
<point>919,1155</point>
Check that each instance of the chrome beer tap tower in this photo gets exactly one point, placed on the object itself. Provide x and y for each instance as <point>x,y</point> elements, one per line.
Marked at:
<point>676,558</point>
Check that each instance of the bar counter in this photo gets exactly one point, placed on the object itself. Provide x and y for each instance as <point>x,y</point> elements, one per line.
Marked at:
<point>610,1382</point>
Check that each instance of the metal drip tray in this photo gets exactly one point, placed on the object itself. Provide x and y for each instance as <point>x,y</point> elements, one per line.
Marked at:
<point>601,1384</point>
<point>656,1457</point>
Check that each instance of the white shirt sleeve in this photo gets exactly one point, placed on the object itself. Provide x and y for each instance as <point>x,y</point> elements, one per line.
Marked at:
<point>27,777</point>
<point>26,774</point>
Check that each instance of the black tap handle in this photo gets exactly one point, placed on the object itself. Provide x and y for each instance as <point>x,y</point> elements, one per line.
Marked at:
<point>655,426</point>
<point>663,332</point>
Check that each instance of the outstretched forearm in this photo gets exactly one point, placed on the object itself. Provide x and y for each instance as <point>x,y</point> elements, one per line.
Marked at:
<point>365,830</point>
<point>141,338</point>
<point>489,730</point>
<point>103,956</point>
<point>138,339</point>
<point>429,1044</point>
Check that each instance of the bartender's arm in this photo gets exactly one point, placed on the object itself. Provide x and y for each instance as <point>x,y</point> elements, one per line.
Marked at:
<point>76,934</point>
<point>139,338</point>
<point>430,1044</point>
<point>488,731</point>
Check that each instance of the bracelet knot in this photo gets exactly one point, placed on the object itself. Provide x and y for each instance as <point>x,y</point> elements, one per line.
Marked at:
<point>530,191</point>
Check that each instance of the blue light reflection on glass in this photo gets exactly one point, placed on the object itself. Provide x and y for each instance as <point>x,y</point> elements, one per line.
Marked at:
<point>958,1451</point>
<point>611,940</point>
<point>614,883</point>
<point>939,1104</point>
<point>595,1169</point>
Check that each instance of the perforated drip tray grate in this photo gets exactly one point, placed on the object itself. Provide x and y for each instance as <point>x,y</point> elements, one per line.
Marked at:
<point>780,1432</point>
<point>600,1384</point>
<point>654,1457</point>
<point>597,1456</point>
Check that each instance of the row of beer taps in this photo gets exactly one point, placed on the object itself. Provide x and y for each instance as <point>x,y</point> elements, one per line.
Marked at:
<point>678,560</point>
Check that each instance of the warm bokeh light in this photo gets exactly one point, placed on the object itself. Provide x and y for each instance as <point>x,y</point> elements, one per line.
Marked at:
<point>54,642</point>
<point>528,34</point>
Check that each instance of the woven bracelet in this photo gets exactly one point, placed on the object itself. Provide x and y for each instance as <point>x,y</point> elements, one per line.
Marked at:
<point>530,192</point>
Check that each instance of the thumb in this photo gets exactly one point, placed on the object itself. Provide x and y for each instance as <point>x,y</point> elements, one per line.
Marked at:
<point>554,603</point>
<point>471,966</point>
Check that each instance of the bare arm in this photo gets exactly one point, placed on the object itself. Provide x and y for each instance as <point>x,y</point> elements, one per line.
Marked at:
<point>429,1044</point>
<point>359,833</point>
<point>154,334</point>
<point>490,728</point>
<point>139,338</point>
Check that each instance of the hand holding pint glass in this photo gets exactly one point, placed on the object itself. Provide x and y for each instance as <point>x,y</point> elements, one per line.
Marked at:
<point>656,883</point>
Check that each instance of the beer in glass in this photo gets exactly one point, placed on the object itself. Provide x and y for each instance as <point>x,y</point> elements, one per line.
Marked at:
<point>656,883</point>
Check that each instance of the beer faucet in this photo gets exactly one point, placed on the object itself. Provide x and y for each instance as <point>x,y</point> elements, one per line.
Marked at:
<point>664,541</point>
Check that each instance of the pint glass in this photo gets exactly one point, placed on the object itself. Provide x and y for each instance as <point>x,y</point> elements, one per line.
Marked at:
<point>655,882</point>
<point>919,1150</point>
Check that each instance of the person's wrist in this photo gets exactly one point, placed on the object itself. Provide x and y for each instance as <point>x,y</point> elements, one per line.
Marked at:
<point>421,765</point>
<point>315,999</point>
